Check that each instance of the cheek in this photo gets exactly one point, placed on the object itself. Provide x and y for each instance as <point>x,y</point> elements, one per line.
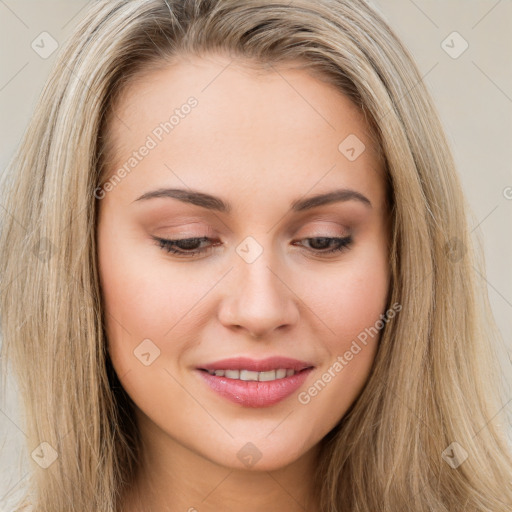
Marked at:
<point>351,303</point>
<point>353,296</point>
<point>353,312</point>
<point>144,299</point>
<point>359,301</point>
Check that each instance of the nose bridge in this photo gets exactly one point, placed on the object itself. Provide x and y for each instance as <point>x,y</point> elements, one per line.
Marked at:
<point>257,280</point>
<point>259,301</point>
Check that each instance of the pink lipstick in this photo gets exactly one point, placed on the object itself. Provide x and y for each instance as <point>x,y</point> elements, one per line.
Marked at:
<point>255,383</point>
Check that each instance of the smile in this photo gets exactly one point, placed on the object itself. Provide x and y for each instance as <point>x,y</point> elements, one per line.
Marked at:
<point>248,375</point>
<point>254,389</point>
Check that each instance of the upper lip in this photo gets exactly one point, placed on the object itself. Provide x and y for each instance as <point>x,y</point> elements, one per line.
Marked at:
<point>257,365</point>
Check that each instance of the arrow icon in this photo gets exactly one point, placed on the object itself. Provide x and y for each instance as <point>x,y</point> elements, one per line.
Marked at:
<point>454,45</point>
<point>249,454</point>
<point>249,249</point>
<point>351,147</point>
<point>454,455</point>
<point>147,352</point>
<point>44,455</point>
<point>44,45</point>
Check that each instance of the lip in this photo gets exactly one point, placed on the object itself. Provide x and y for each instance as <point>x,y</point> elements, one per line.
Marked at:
<point>251,393</point>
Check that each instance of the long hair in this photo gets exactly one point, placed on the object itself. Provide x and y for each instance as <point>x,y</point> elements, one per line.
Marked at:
<point>434,395</point>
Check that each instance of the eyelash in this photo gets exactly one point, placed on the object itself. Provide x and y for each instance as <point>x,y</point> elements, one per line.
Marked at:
<point>342,244</point>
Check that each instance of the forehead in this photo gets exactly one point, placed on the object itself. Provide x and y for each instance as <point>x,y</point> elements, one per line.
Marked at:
<point>251,126</point>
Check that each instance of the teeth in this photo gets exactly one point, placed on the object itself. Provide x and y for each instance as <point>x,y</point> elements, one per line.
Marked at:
<point>266,376</point>
<point>248,375</point>
<point>280,374</point>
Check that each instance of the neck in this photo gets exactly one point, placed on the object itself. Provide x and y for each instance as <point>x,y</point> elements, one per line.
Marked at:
<point>172,477</point>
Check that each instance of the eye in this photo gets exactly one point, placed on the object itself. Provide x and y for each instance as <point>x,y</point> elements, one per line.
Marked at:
<point>329,245</point>
<point>183,247</point>
<point>189,247</point>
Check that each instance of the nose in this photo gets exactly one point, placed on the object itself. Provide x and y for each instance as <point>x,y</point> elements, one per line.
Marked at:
<point>259,300</point>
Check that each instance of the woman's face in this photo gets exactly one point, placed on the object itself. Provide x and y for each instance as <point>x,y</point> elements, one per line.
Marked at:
<point>232,160</point>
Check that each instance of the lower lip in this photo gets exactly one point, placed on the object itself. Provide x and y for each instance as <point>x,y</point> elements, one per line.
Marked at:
<point>255,394</point>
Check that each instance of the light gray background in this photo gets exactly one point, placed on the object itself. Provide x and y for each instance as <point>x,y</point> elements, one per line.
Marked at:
<point>473,93</point>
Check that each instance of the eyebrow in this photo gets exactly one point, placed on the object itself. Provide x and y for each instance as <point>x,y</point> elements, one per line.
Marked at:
<point>217,204</point>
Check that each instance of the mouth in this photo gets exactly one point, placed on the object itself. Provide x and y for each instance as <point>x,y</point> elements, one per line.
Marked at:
<point>252,376</point>
<point>255,383</point>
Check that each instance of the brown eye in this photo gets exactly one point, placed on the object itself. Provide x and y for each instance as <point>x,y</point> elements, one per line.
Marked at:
<point>328,245</point>
<point>183,247</point>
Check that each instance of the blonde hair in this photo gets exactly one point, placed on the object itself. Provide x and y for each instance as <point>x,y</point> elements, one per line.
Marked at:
<point>434,380</point>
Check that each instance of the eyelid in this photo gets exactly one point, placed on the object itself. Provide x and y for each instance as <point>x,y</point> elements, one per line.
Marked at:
<point>321,222</point>
<point>171,246</point>
<point>297,232</point>
<point>185,231</point>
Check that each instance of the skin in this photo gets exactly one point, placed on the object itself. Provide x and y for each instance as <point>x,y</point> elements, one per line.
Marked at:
<point>259,139</point>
